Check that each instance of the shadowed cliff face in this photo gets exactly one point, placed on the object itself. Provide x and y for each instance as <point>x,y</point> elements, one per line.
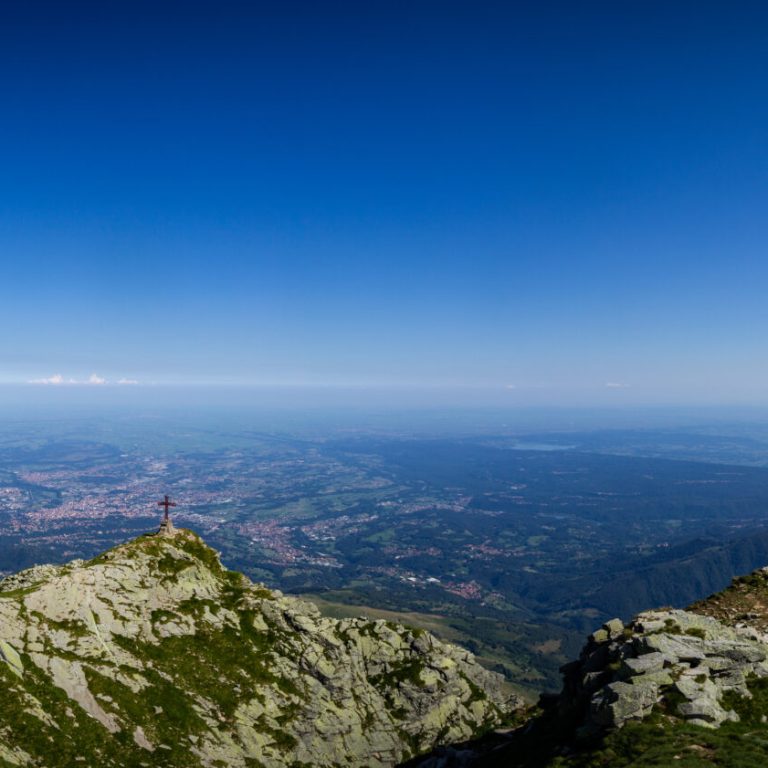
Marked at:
<point>154,654</point>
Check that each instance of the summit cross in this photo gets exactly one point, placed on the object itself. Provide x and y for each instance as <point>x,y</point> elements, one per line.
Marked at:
<point>167,503</point>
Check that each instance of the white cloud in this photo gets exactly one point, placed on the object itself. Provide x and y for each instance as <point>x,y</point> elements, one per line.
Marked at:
<point>616,385</point>
<point>511,386</point>
<point>128,382</point>
<point>56,379</point>
<point>94,380</point>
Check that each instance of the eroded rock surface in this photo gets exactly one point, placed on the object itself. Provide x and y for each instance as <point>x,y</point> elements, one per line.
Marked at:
<point>688,660</point>
<point>155,652</point>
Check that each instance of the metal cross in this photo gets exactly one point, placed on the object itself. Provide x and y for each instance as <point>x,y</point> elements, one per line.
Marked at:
<point>166,502</point>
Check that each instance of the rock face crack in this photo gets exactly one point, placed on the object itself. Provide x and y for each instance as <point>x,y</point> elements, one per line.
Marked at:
<point>10,656</point>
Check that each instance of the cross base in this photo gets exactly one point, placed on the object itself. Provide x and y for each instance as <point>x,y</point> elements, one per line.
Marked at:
<point>166,528</point>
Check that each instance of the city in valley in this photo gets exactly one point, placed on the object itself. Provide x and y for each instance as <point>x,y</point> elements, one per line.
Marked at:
<point>503,544</point>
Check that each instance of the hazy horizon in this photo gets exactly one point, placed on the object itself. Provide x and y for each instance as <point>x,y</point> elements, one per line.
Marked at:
<point>326,411</point>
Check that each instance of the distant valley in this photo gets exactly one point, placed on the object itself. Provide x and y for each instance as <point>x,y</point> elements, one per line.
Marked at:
<point>513,551</point>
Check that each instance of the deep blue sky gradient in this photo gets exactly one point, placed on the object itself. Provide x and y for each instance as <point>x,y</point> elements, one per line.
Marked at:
<point>532,200</point>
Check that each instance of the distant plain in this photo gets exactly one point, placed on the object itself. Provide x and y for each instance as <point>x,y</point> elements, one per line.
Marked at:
<point>512,542</point>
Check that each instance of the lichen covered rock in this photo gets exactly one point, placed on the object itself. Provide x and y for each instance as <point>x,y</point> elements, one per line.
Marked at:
<point>153,653</point>
<point>687,661</point>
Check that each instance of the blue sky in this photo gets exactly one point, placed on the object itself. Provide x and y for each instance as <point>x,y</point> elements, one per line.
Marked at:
<point>534,202</point>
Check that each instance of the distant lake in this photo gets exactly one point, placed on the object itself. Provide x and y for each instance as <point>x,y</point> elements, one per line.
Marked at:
<point>541,447</point>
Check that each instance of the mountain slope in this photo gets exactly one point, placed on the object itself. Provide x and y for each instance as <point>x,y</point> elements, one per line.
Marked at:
<point>154,654</point>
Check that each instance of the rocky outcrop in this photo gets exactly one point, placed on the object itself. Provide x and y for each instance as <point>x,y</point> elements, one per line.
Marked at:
<point>689,667</point>
<point>153,653</point>
<point>665,670</point>
<point>685,660</point>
